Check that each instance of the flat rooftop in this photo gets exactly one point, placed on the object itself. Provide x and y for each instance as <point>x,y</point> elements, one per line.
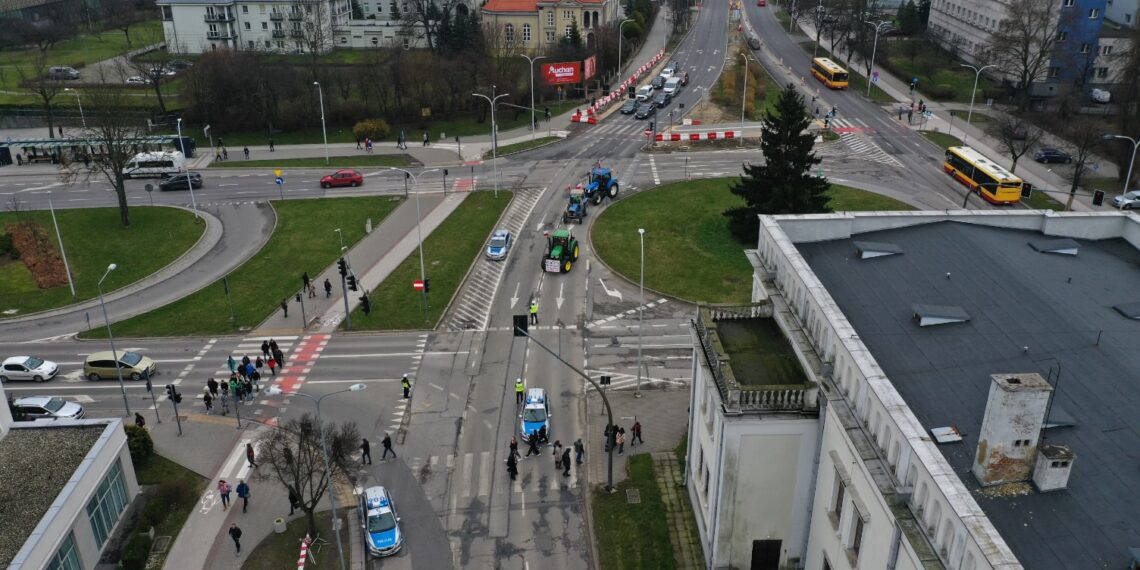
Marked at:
<point>1057,306</point>
<point>759,354</point>
<point>35,465</point>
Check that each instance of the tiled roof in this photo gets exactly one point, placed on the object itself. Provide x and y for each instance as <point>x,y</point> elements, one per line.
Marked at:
<point>511,6</point>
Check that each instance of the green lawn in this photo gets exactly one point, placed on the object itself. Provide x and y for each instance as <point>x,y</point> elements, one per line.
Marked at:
<point>278,551</point>
<point>302,241</point>
<point>633,536</point>
<point>1042,201</point>
<point>942,139</point>
<point>399,160</point>
<point>93,239</point>
<point>448,253</point>
<point>940,76</point>
<point>705,243</point>
<point>521,146</point>
<point>158,470</point>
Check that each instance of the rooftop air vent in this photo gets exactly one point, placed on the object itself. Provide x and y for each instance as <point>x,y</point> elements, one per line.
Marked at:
<point>1061,246</point>
<point>872,249</point>
<point>948,434</point>
<point>929,315</point>
<point>1053,466</point>
<point>1129,310</point>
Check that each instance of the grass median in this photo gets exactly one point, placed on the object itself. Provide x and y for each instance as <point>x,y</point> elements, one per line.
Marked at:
<point>942,139</point>
<point>92,240</point>
<point>633,536</point>
<point>278,551</point>
<point>302,241</point>
<point>448,252</point>
<point>521,146</point>
<point>174,500</point>
<point>398,160</point>
<point>676,263</point>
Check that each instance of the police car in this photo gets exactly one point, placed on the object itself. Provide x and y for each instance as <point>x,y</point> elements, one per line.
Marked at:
<point>535,414</point>
<point>380,523</point>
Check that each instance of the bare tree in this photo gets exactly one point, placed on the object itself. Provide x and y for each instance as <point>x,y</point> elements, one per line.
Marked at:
<point>154,67</point>
<point>295,457</point>
<point>1015,135</point>
<point>123,15</point>
<point>1083,136</point>
<point>1128,123</point>
<point>427,16</point>
<point>35,79</point>
<point>113,132</point>
<point>1023,45</point>
<point>313,30</point>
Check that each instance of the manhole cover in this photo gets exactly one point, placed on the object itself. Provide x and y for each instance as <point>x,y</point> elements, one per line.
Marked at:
<point>161,543</point>
<point>633,496</point>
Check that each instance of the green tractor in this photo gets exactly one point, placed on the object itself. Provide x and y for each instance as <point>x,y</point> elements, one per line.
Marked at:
<point>561,252</point>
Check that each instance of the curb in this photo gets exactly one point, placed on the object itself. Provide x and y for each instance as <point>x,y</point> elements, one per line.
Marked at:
<point>558,140</point>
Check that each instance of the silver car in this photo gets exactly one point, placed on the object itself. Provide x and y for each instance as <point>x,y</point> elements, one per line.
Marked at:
<point>37,407</point>
<point>28,368</point>
<point>1127,200</point>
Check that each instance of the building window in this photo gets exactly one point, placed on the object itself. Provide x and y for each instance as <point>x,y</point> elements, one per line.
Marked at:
<point>840,495</point>
<point>245,9</point>
<point>1094,13</point>
<point>550,18</point>
<point>343,40</point>
<point>568,28</point>
<point>247,26</point>
<point>108,503</point>
<point>265,25</point>
<point>549,36</point>
<point>1105,50</point>
<point>268,44</point>
<point>250,45</point>
<point>526,33</point>
<point>857,534</point>
<point>1054,71</point>
<point>567,15</point>
<point>66,558</point>
<point>1062,36</point>
<point>1101,72</point>
<point>509,33</point>
<point>1068,3</point>
<point>1085,48</point>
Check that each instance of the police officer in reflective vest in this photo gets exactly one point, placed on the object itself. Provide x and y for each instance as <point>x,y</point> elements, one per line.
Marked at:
<point>407,386</point>
<point>519,389</point>
<point>534,312</point>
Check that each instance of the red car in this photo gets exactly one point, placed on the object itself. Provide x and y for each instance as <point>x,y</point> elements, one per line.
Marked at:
<point>761,3</point>
<point>343,178</point>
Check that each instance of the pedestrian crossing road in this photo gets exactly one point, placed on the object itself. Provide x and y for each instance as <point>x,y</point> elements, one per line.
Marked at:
<point>853,142</point>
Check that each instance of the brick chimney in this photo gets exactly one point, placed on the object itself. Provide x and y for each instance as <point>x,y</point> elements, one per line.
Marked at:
<point>1007,441</point>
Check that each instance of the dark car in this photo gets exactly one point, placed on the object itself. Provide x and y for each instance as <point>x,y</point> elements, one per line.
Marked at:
<point>343,178</point>
<point>629,107</point>
<point>181,182</point>
<point>645,110</point>
<point>1053,155</point>
<point>662,99</point>
<point>658,82</point>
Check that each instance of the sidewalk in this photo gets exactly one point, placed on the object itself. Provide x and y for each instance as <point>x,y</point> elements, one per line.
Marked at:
<point>372,259</point>
<point>664,421</point>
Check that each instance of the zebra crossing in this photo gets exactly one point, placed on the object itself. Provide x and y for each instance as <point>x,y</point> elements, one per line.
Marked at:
<point>472,474</point>
<point>621,126</point>
<point>473,304</point>
<point>298,362</point>
<point>852,133</point>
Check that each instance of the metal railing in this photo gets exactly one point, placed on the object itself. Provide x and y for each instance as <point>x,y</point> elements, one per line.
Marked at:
<point>276,16</point>
<point>278,33</point>
<point>218,17</point>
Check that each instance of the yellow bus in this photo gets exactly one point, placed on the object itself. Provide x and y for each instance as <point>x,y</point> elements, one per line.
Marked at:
<point>829,72</point>
<point>982,175</point>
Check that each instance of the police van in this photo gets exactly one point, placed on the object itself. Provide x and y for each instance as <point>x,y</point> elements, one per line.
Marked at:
<point>535,414</point>
<point>155,165</point>
<point>379,522</point>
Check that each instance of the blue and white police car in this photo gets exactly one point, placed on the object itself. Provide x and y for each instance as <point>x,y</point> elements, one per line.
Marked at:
<point>535,414</point>
<point>380,523</point>
<point>500,245</point>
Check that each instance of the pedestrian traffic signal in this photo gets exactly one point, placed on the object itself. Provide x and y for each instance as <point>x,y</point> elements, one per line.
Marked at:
<point>173,394</point>
<point>605,381</point>
<point>297,298</point>
<point>445,172</point>
<point>352,283</point>
<point>427,285</point>
<point>365,304</point>
<point>342,266</point>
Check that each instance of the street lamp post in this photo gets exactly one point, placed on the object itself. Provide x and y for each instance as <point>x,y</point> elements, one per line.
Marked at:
<point>494,99</point>
<point>276,390</point>
<point>324,132</point>
<point>641,237</point>
<point>620,38</point>
<point>977,75</point>
<point>818,28</point>
<point>875,47</point>
<point>80,102</point>
<point>419,233</point>
<point>182,148</point>
<point>340,237</point>
<point>111,337</point>
<point>743,98</point>
<point>1131,163</point>
<point>62,250</point>
<point>530,60</point>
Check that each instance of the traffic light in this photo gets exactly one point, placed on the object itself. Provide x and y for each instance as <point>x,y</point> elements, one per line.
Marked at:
<point>173,394</point>
<point>297,298</point>
<point>605,380</point>
<point>445,172</point>
<point>342,266</point>
<point>352,283</point>
<point>365,304</point>
<point>427,285</point>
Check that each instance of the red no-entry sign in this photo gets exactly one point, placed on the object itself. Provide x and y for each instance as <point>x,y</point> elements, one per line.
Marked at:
<point>418,285</point>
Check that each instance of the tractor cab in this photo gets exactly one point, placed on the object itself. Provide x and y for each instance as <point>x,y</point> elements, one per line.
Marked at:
<point>561,252</point>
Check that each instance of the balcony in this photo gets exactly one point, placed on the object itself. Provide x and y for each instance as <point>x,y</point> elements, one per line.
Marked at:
<point>297,34</point>
<point>218,18</point>
<point>279,33</point>
<point>277,16</point>
<point>296,16</point>
<point>227,35</point>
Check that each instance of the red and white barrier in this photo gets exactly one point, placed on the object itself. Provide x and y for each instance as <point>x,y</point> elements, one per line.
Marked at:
<point>703,136</point>
<point>615,94</point>
<point>304,556</point>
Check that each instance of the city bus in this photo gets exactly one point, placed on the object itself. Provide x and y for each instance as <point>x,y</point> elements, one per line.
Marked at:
<point>829,72</point>
<point>982,175</point>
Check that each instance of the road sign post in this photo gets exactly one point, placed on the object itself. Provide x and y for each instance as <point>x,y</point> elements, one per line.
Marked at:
<point>280,180</point>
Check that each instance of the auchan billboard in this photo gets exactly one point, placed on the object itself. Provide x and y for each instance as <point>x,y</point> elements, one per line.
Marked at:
<point>562,73</point>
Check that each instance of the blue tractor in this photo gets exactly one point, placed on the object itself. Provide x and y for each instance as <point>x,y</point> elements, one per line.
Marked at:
<point>600,183</point>
<point>576,207</point>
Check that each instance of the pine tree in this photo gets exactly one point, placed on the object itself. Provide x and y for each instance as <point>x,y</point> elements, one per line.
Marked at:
<point>784,183</point>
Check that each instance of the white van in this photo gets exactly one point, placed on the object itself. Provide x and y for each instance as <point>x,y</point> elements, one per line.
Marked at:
<point>673,86</point>
<point>645,92</point>
<point>155,165</point>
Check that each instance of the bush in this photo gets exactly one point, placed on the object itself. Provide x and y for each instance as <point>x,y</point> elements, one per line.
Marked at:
<point>140,444</point>
<point>942,91</point>
<point>7,247</point>
<point>175,492</point>
<point>153,514</point>
<point>374,129</point>
<point>136,552</point>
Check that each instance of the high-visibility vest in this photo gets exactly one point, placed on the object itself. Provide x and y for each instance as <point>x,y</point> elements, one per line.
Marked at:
<point>519,387</point>
<point>533,308</point>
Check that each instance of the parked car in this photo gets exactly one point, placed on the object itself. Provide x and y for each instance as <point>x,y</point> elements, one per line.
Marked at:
<point>629,107</point>
<point>100,365</point>
<point>645,110</point>
<point>38,407</point>
<point>137,80</point>
<point>179,64</point>
<point>1127,200</point>
<point>1052,155</point>
<point>658,82</point>
<point>181,181</point>
<point>28,368</point>
<point>379,522</point>
<point>500,245</point>
<point>343,178</point>
<point>761,3</point>
<point>662,99</point>
<point>62,72</point>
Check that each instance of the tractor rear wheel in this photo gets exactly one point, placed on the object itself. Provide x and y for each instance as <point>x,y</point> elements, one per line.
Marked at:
<point>613,191</point>
<point>597,197</point>
<point>566,265</point>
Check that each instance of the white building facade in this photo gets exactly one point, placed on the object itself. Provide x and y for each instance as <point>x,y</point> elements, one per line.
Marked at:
<point>297,26</point>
